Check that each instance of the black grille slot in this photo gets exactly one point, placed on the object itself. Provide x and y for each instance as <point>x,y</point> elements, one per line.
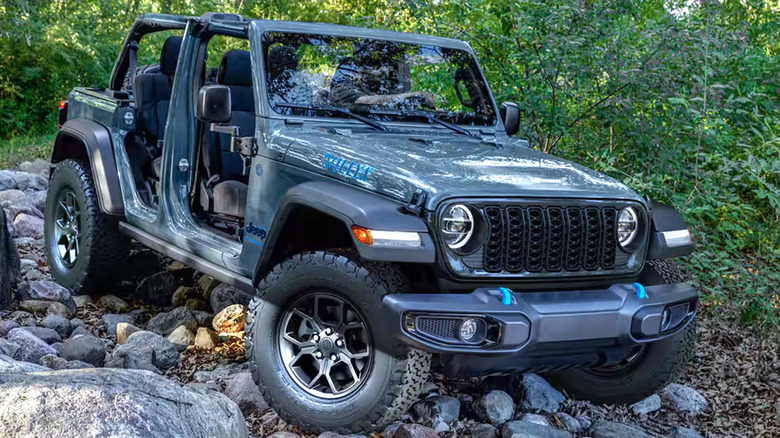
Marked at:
<point>677,314</point>
<point>442,328</point>
<point>494,247</point>
<point>550,238</point>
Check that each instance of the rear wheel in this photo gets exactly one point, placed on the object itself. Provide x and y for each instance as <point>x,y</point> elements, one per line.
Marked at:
<point>83,245</point>
<point>318,352</point>
<point>647,368</point>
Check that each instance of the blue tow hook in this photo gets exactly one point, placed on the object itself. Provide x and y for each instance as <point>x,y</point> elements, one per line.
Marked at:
<point>641,293</point>
<point>506,296</point>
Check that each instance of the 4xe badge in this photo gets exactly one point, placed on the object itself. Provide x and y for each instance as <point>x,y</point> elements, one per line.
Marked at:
<point>259,233</point>
<point>348,168</point>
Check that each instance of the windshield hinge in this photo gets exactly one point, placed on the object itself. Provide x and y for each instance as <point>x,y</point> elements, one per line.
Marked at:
<point>416,205</point>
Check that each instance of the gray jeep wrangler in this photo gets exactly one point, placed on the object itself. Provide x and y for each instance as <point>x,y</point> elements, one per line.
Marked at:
<point>365,189</point>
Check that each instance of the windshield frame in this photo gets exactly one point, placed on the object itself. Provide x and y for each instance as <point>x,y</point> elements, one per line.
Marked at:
<point>258,28</point>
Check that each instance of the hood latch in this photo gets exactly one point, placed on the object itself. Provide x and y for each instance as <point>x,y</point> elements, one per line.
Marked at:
<point>416,205</point>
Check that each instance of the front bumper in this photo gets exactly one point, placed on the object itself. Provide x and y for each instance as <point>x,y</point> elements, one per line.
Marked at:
<point>540,330</point>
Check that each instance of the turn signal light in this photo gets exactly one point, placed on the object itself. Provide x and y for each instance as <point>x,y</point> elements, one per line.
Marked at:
<point>362,235</point>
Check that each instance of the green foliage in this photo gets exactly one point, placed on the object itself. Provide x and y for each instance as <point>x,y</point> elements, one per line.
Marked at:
<point>676,99</point>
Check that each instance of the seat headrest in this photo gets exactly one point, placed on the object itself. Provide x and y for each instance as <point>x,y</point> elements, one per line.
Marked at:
<point>236,68</point>
<point>170,55</point>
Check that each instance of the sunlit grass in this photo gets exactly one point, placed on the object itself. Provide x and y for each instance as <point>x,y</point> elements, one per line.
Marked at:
<point>19,149</point>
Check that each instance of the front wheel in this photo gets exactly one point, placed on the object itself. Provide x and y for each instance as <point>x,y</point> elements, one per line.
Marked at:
<point>317,350</point>
<point>646,370</point>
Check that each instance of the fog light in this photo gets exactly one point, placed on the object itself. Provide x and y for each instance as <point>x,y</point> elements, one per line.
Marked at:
<point>665,319</point>
<point>472,330</point>
<point>468,329</point>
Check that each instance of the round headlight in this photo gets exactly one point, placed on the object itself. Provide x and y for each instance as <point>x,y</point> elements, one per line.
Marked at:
<point>627,227</point>
<point>457,226</point>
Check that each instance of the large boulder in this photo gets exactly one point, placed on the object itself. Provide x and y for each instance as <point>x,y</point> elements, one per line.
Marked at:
<point>85,348</point>
<point>27,225</point>
<point>112,402</point>
<point>31,348</point>
<point>30,182</point>
<point>8,365</point>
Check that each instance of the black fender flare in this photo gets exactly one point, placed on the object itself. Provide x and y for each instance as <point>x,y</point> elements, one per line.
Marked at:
<point>90,141</point>
<point>668,233</point>
<point>352,206</point>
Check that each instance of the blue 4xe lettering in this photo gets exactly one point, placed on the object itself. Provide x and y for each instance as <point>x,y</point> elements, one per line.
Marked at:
<point>348,168</point>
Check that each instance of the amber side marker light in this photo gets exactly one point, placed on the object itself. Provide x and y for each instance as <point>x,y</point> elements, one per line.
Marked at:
<point>407,239</point>
<point>362,235</point>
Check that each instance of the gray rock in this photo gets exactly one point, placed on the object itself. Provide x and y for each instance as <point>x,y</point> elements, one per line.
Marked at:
<point>139,358</point>
<point>684,399</point>
<point>538,396</point>
<point>165,353</point>
<point>181,338</point>
<point>483,431</point>
<point>58,363</point>
<point>7,325</point>
<point>60,309</point>
<point>585,422</point>
<point>157,289</point>
<point>113,303</point>
<point>401,430</point>
<point>524,429</point>
<point>165,323</point>
<point>219,373</point>
<point>43,290</point>
<point>536,418</point>
<point>27,265</point>
<point>283,434</point>
<point>111,402</point>
<point>30,182</point>
<point>570,423</point>
<point>81,330</point>
<point>111,320</point>
<point>495,407</point>
<point>31,348</point>
<point>8,348</point>
<point>611,429</point>
<point>26,225</point>
<point>10,197</point>
<point>87,349</point>
<point>59,324</point>
<point>684,432</point>
<point>442,406</point>
<point>8,180</point>
<point>39,167</point>
<point>225,295</point>
<point>204,319</point>
<point>82,300</point>
<point>38,199</point>
<point>647,406</point>
<point>242,389</point>
<point>37,307</point>
<point>57,346</point>
<point>9,365</point>
<point>23,318</point>
<point>45,334</point>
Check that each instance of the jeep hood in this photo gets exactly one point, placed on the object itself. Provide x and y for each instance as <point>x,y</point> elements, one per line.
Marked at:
<point>398,164</point>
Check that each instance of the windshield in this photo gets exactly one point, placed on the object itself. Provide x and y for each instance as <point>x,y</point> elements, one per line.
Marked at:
<point>385,80</point>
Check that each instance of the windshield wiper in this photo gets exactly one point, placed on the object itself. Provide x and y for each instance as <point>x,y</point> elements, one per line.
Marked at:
<point>431,119</point>
<point>334,109</point>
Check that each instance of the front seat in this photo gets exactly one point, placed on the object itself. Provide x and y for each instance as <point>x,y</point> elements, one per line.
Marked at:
<point>224,167</point>
<point>152,98</point>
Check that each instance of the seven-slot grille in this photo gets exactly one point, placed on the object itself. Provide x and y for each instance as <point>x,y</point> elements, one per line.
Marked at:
<point>549,238</point>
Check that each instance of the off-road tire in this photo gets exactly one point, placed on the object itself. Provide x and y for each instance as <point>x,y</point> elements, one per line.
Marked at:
<point>103,250</point>
<point>398,372</point>
<point>658,364</point>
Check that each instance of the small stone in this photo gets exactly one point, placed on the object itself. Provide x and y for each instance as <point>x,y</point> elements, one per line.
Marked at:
<point>444,407</point>
<point>204,319</point>
<point>140,357</point>
<point>585,422</point>
<point>6,326</point>
<point>111,320</point>
<point>124,330</point>
<point>611,429</point>
<point>647,406</point>
<point>536,418</point>
<point>538,396</point>
<point>439,425</point>
<point>165,353</point>
<point>157,289</point>
<point>483,431</point>
<point>47,335</point>
<point>685,399</point>
<point>242,390</point>
<point>8,180</point>
<point>401,430</point>
<point>26,225</point>
<point>230,320</point>
<point>8,348</point>
<point>196,304</point>
<point>31,348</point>
<point>84,348</point>
<point>43,290</point>
<point>27,265</point>
<point>495,407</point>
<point>207,285</point>
<point>58,363</point>
<point>38,167</point>
<point>35,306</point>
<point>181,338</point>
<point>81,330</point>
<point>283,434</point>
<point>181,295</point>
<point>219,373</point>
<point>113,303</point>
<point>82,301</point>
<point>177,267</point>
<point>570,423</point>
<point>524,429</point>
<point>165,323</point>
<point>225,295</point>
<point>23,318</point>
<point>684,432</point>
<point>206,338</point>
<point>58,324</point>
<point>60,310</point>
<point>76,322</point>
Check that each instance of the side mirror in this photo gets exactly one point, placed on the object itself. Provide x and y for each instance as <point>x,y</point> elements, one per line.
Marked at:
<point>214,104</point>
<point>510,115</point>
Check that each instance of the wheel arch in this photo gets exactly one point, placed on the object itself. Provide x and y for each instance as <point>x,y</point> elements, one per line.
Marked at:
<point>331,209</point>
<point>89,141</point>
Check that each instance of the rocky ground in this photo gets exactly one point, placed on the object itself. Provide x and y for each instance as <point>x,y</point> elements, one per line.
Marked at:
<point>162,355</point>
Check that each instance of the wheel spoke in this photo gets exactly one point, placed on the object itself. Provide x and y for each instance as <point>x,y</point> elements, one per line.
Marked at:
<point>331,384</point>
<point>351,355</point>
<point>296,342</point>
<point>352,370</point>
